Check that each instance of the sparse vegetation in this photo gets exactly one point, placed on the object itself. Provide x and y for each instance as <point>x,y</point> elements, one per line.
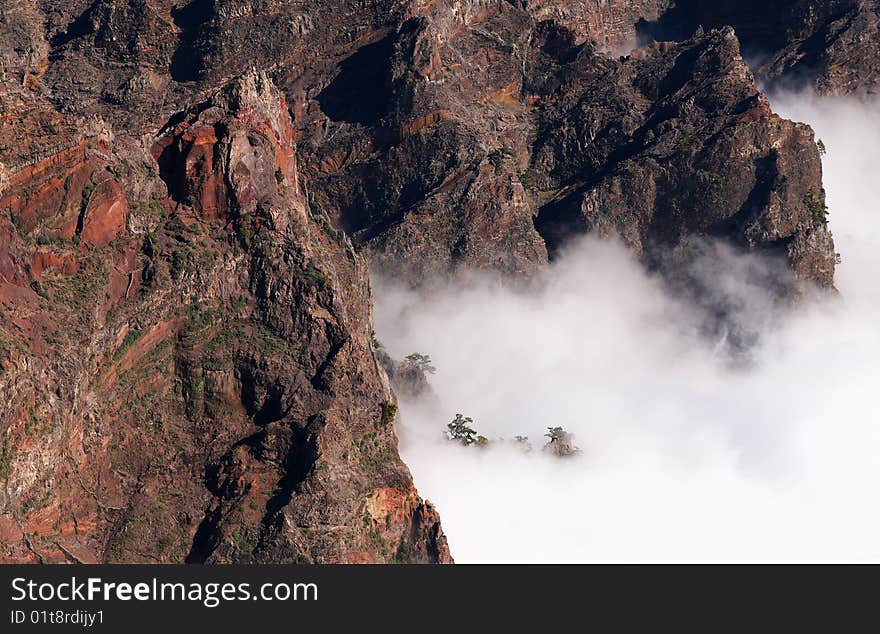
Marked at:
<point>279,176</point>
<point>45,240</point>
<point>497,157</point>
<point>130,339</point>
<point>312,276</point>
<point>561,443</point>
<point>422,362</point>
<point>522,442</point>
<point>527,178</point>
<point>246,233</point>
<point>685,143</point>
<point>460,431</point>
<point>150,207</point>
<point>820,144</point>
<point>374,449</point>
<point>5,458</point>
<point>87,192</point>
<point>389,413</point>
<point>555,433</point>
<point>815,204</point>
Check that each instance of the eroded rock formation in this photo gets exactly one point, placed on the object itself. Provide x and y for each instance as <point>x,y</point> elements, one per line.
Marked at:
<point>189,376</point>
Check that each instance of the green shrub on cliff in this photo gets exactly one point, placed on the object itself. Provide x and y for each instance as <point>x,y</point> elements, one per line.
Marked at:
<point>389,413</point>
<point>312,276</point>
<point>817,208</point>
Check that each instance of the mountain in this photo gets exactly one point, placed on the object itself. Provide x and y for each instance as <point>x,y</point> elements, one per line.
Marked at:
<point>191,194</point>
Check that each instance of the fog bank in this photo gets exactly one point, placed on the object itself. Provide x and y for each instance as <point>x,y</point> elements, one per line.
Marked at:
<point>686,456</point>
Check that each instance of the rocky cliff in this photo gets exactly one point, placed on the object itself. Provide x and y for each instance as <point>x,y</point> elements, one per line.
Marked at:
<point>190,193</point>
<point>498,136</point>
<point>830,45</point>
<point>187,371</point>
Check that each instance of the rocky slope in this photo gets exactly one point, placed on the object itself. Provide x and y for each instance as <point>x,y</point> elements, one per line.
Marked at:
<point>498,136</point>
<point>190,192</point>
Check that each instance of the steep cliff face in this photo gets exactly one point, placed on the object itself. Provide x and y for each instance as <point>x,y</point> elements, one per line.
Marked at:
<point>190,377</point>
<point>500,136</point>
<point>185,358</point>
<point>676,142</point>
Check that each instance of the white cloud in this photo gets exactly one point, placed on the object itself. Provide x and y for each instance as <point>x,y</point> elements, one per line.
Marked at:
<point>687,457</point>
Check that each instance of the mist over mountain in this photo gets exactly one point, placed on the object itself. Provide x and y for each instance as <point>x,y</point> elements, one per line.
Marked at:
<point>590,215</point>
<point>689,453</point>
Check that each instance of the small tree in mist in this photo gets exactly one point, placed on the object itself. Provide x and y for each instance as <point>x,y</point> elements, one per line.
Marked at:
<point>561,443</point>
<point>460,431</point>
<point>554,433</point>
<point>523,443</point>
<point>422,362</point>
<point>822,149</point>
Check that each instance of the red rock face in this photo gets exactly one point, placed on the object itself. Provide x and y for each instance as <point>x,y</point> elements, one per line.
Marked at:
<point>251,156</point>
<point>68,195</point>
<point>51,189</point>
<point>390,511</point>
<point>104,213</point>
<point>46,262</point>
<point>223,329</point>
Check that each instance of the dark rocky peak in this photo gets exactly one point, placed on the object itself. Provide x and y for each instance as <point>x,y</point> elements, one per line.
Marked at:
<point>485,115</point>
<point>833,46</point>
<point>610,26</point>
<point>488,127</point>
<point>675,141</point>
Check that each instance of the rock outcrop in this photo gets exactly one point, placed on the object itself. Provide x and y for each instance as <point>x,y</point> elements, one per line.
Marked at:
<point>407,378</point>
<point>831,45</point>
<point>676,142</point>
